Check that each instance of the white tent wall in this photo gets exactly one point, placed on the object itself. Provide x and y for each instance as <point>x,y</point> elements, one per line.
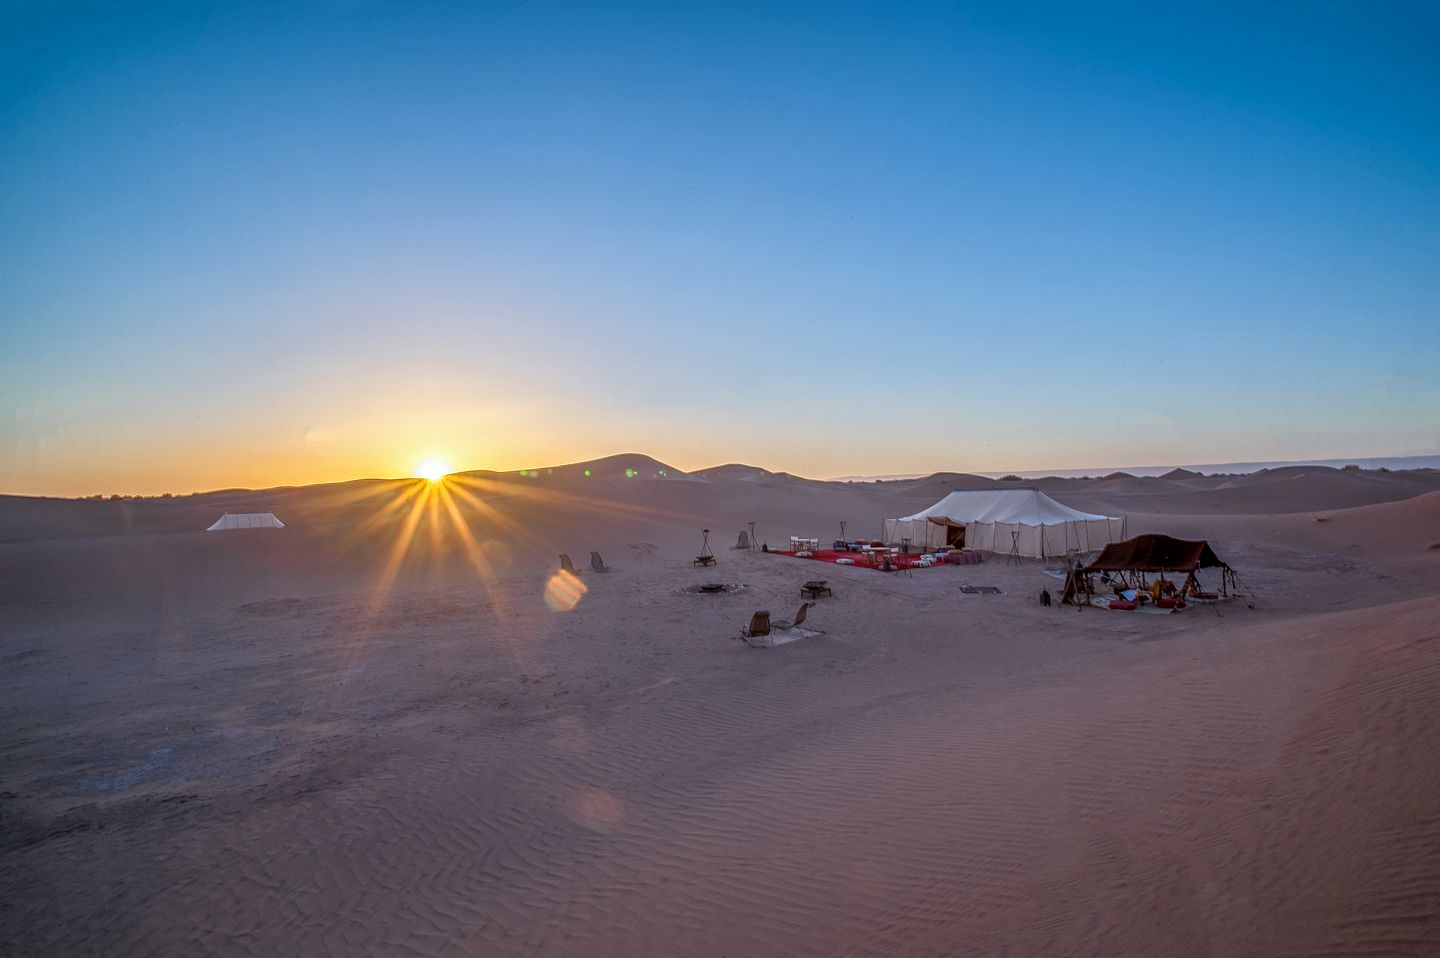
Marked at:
<point>922,533</point>
<point>1044,541</point>
<point>1042,527</point>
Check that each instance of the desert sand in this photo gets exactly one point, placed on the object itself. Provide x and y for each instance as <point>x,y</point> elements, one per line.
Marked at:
<point>390,729</point>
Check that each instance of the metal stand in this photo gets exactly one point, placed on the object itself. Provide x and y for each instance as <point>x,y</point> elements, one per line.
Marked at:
<point>706,557</point>
<point>1014,549</point>
<point>753,543</point>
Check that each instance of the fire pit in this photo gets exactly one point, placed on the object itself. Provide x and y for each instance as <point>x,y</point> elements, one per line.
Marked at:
<point>711,588</point>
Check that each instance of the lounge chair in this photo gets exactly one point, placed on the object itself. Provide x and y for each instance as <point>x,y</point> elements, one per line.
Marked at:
<point>759,627</point>
<point>785,626</point>
<point>566,565</point>
<point>597,563</point>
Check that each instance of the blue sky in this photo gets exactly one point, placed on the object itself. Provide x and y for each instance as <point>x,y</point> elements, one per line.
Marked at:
<point>248,245</point>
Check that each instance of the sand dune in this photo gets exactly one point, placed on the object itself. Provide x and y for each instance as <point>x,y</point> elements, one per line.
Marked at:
<point>313,740</point>
<point>1291,490</point>
<point>628,465</point>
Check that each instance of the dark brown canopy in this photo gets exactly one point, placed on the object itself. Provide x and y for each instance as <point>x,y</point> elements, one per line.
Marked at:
<point>1156,553</point>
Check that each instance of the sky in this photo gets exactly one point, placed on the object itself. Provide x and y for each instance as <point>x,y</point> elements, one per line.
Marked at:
<point>252,244</point>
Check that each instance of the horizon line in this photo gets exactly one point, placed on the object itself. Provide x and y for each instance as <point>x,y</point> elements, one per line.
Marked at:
<point>1098,472</point>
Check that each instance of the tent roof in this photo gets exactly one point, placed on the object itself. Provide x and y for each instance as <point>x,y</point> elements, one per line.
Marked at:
<point>246,520</point>
<point>1156,553</point>
<point>1029,507</point>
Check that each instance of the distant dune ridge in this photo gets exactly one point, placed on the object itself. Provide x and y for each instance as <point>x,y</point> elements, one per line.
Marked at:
<point>1179,490</point>
<point>392,727</point>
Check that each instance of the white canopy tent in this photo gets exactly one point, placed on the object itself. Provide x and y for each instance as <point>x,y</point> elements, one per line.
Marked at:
<point>246,520</point>
<point>1001,520</point>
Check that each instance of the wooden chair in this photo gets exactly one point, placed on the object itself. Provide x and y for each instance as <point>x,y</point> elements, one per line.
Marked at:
<point>758,628</point>
<point>597,563</point>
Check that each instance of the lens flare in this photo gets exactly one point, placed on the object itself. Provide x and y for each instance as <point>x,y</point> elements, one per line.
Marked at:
<point>563,592</point>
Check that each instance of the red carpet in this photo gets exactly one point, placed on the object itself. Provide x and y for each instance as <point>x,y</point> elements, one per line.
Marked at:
<point>862,561</point>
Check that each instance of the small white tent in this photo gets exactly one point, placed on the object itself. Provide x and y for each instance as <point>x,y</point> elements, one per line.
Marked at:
<point>246,520</point>
<point>986,519</point>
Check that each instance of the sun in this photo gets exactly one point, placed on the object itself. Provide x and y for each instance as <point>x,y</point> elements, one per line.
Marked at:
<point>434,470</point>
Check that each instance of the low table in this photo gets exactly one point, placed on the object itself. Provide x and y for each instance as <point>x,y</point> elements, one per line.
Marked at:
<point>815,588</point>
